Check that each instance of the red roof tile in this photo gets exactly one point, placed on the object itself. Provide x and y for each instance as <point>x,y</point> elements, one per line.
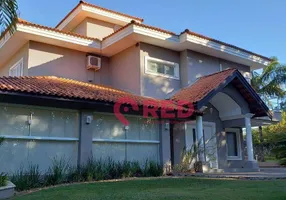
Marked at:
<point>21,21</point>
<point>141,25</point>
<point>71,89</point>
<point>98,7</point>
<point>224,43</point>
<point>24,22</point>
<point>202,87</point>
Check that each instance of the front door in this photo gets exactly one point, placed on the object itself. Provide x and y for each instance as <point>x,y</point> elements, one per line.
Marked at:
<point>210,142</point>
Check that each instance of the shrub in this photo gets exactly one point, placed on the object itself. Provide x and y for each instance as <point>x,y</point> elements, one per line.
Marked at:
<point>282,161</point>
<point>58,172</point>
<point>94,170</point>
<point>3,179</point>
<point>152,168</point>
<point>27,179</point>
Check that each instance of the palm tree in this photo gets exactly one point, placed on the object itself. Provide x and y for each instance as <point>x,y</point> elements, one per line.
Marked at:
<point>269,84</point>
<point>8,15</point>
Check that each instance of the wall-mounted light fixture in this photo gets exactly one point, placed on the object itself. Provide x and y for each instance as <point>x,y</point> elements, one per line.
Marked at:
<point>167,126</point>
<point>89,119</point>
<point>30,118</point>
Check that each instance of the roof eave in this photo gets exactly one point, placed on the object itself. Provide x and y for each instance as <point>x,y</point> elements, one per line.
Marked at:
<point>91,10</point>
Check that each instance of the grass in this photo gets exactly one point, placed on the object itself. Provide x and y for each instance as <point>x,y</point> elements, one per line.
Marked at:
<point>166,188</point>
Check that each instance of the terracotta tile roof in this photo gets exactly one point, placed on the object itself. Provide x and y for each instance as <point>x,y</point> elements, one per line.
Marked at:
<point>72,89</point>
<point>141,25</point>
<point>202,87</point>
<point>21,21</point>
<point>223,43</point>
<point>98,7</point>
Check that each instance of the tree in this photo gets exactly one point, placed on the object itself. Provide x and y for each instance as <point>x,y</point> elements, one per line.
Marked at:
<point>8,15</point>
<point>269,84</point>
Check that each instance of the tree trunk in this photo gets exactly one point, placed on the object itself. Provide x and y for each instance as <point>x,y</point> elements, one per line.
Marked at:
<point>261,156</point>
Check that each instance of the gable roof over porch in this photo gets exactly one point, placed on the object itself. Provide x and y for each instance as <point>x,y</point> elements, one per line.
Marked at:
<point>205,88</point>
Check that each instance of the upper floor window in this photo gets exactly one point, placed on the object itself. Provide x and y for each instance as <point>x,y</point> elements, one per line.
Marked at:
<point>161,68</point>
<point>17,69</point>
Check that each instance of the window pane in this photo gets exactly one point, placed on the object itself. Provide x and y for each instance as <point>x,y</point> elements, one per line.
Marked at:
<point>160,68</point>
<point>231,144</point>
<point>152,66</point>
<point>170,70</point>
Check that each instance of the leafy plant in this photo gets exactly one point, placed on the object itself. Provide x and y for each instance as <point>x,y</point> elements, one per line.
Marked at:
<point>1,140</point>
<point>152,168</point>
<point>58,172</point>
<point>3,179</point>
<point>189,157</point>
<point>8,15</point>
<point>282,161</point>
<point>27,179</point>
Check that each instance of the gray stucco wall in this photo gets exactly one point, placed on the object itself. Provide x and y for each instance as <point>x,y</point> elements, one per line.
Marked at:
<point>179,141</point>
<point>211,114</point>
<point>125,70</point>
<point>194,65</point>
<point>49,60</point>
<point>155,85</point>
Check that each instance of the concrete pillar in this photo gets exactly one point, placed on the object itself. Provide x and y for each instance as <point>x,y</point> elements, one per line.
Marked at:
<point>249,137</point>
<point>85,138</point>
<point>165,145</point>
<point>200,134</point>
<point>179,141</point>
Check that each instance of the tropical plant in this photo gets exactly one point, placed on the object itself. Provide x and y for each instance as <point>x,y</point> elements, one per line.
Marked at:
<point>58,172</point>
<point>3,179</point>
<point>189,161</point>
<point>8,15</point>
<point>269,84</point>
<point>26,179</point>
<point>3,176</point>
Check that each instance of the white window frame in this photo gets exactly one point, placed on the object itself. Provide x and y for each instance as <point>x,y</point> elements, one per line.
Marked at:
<point>238,140</point>
<point>176,66</point>
<point>21,63</point>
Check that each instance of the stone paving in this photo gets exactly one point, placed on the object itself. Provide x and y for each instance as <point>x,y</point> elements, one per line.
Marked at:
<point>264,174</point>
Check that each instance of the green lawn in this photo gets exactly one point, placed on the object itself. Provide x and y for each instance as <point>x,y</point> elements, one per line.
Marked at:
<point>166,188</point>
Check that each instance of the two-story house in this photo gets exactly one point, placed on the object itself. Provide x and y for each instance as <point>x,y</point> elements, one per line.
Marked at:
<point>59,86</point>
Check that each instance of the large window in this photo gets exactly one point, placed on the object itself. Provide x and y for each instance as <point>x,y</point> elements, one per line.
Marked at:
<point>163,68</point>
<point>17,69</point>
<point>233,144</point>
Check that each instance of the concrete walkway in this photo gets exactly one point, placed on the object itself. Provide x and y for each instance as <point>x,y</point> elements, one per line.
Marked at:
<point>264,174</point>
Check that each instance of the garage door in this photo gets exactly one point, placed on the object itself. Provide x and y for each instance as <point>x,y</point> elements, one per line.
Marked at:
<point>137,142</point>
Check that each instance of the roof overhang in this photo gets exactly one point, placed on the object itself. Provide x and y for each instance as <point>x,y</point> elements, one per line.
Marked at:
<point>122,39</point>
<point>10,44</point>
<point>134,33</point>
<point>84,10</point>
<point>256,104</point>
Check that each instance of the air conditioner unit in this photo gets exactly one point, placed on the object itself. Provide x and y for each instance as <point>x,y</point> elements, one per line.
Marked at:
<point>93,62</point>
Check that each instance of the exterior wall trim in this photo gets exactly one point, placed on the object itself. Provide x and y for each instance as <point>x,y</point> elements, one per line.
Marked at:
<point>219,47</point>
<point>40,138</point>
<point>126,141</point>
<point>58,36</point>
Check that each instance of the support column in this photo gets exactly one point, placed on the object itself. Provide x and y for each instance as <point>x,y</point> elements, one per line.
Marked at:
<point>200,134</point>
<point>85,138</point>
<point>165,145</point>
<point>249,142</point>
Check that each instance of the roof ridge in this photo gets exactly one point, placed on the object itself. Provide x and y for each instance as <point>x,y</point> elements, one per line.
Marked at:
<point>208,76</point>
<point>98,7</point>
<point>230,69</point>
